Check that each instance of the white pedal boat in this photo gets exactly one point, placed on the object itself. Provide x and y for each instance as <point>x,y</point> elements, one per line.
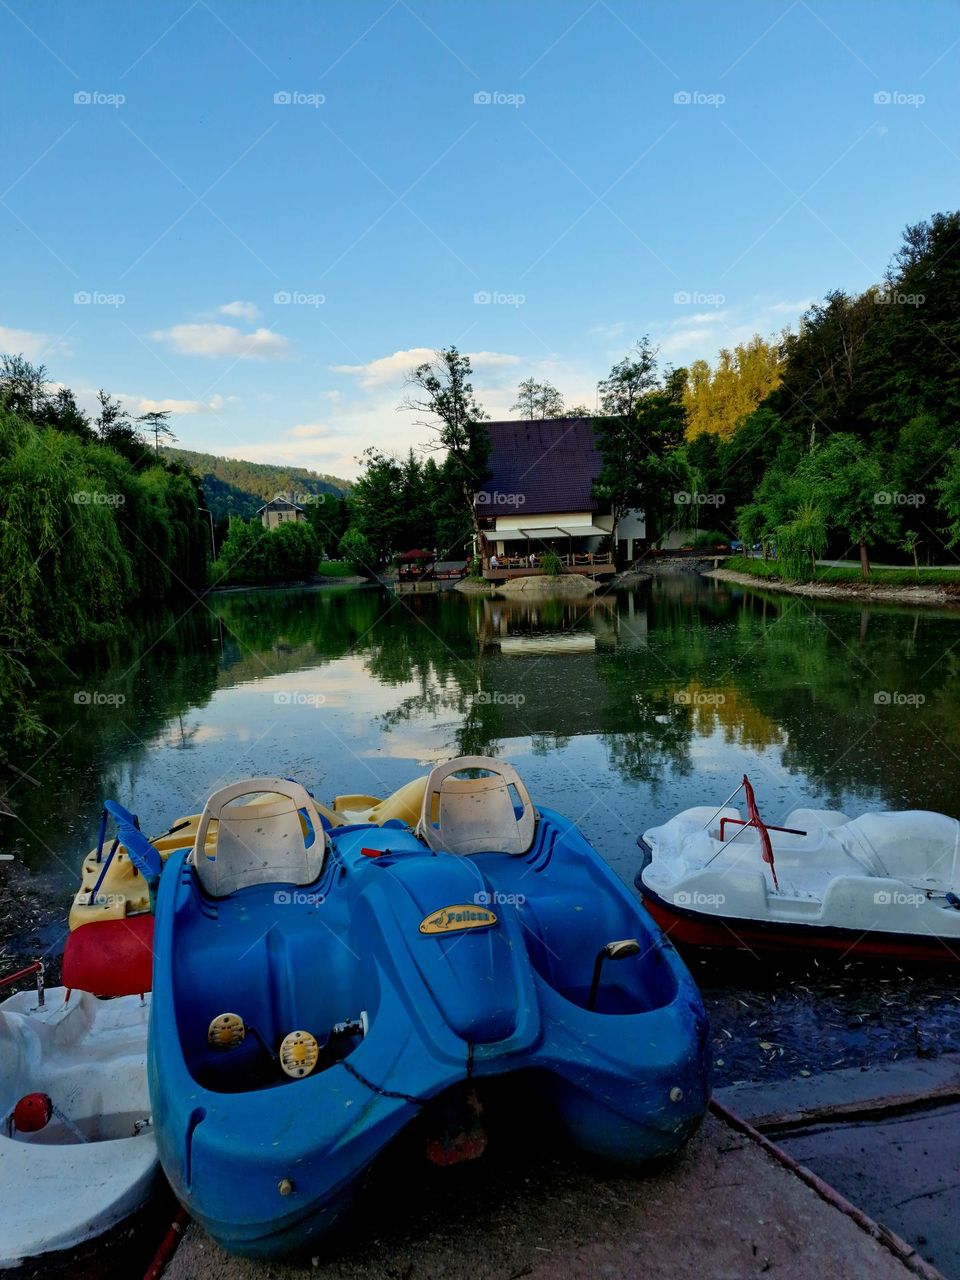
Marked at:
<point>884,884</point>
<point>81,1064</point>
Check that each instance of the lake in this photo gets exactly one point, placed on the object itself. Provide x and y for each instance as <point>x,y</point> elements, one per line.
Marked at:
<point>618,711</point>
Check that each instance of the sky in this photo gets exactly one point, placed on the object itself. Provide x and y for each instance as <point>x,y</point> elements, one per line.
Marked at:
<point>263,215</point>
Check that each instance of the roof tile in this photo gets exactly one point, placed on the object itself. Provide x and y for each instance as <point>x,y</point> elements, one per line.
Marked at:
<point>549,463</point>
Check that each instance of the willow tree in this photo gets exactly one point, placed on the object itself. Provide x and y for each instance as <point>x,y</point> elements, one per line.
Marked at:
<point>802,540</point>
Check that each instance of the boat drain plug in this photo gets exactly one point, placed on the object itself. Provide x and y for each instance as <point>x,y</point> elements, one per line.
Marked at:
<point>676,1093</point>
<point>285,1186</point>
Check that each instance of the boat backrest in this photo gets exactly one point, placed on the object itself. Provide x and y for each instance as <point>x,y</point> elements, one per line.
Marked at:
<point>404,805</point>
<point>914,845</point>
<point>260,837</point>
<point>478,814</point>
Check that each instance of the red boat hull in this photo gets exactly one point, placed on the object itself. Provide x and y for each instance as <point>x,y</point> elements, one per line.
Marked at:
<point>688,928</point>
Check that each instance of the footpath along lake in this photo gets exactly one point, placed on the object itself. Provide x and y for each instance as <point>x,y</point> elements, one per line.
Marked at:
<point>618,711</point>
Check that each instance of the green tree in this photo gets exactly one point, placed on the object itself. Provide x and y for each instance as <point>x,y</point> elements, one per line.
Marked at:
<point>802,539</point>
<point>718,400</point>
<point>329,516</point>
<point>443,396</point>
<point>115,428</point>
<point>910,543</point>
<point>538,400</point>
<point>948,489</point>
<point>157,424</point>
<point>378,506</point>
<point>642,463</point>
<point>854,490</point>
<point>357,551</point>
<point>629,380</point>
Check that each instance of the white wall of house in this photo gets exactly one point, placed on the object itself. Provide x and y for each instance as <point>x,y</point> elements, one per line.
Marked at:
<point>632,529</point>
<point>565,519</point>
<point>272,519</point>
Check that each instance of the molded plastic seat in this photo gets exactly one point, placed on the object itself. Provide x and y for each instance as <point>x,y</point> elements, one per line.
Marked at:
<point>261,842</point>
<point>476,815</point>
<point>404,805</point>
<point>913,845</point>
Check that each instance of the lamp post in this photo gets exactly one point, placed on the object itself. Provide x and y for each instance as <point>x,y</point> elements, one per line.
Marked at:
<point>213,544</point>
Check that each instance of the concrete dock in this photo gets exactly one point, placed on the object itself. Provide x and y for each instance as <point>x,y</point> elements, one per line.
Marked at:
<point>725,1209</point>
<point>887,1139</point>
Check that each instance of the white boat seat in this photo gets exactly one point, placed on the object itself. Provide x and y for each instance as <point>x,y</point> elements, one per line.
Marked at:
<point>258,843</point>
<point>476,815</point>
<point>814,820</point>
<point>914,845</point>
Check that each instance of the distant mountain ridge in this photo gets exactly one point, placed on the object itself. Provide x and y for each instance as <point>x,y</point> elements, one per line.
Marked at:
<point>235,487</point>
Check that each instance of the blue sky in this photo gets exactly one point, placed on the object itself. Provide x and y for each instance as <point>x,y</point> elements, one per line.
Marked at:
<point>578,203</point>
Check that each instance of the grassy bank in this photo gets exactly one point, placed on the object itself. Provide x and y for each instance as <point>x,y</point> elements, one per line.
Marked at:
<point>934,576</point>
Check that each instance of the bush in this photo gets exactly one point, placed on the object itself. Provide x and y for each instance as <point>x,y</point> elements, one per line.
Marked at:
<point>551,564</point>
<point>709,538</point>
<point>256,555</point>
<point>357,551</point>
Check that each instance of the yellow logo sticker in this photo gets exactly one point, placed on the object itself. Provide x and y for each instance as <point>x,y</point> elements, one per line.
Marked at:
<point>461,916</point>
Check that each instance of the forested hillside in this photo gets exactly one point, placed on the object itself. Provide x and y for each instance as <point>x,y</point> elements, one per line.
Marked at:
<point>855,450</point>
<point>234,487</point>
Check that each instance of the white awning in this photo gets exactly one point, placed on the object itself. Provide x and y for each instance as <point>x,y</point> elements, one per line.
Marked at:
<point>570,642</point>
<point>510,532</point>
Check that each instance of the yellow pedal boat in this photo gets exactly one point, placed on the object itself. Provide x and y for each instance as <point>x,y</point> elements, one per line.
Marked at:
<point>111,887</point>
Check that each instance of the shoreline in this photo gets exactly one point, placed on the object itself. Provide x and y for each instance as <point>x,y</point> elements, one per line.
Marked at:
<point>301,584</point>
<point>865,592</point>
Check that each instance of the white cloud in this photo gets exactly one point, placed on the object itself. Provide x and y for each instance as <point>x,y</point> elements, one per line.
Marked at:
<point>394,369</point>
<point>387,368</point>
<point>494,360</point>
<point>240,310</point>
<point>339,462</point>
<point>683,340</point>
<point>701,335</point>
<point>308,431</point>
<point>608,330</point>
<point>28,344</point>
<point>790,308</point>
<point>223,340</point>
<point>213,405</point>
<point>707,317</point>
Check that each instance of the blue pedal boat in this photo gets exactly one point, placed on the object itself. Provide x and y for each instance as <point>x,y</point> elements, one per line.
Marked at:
<point>317,990</point>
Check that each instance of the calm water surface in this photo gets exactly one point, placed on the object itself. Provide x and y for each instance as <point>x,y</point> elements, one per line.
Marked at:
<point>618,712</point>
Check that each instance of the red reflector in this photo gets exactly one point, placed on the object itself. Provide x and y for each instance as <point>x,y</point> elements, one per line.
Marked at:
<point>32,1112</point>
<point>466,1146</point>
<point>372,853</point>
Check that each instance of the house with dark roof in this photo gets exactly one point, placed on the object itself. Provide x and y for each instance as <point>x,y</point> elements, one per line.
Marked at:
<point>538,498</point>
<point>278,511</point>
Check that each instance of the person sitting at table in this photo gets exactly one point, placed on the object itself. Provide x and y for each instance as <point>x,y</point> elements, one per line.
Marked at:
<point>494,561</point>
<point>532,560</point>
